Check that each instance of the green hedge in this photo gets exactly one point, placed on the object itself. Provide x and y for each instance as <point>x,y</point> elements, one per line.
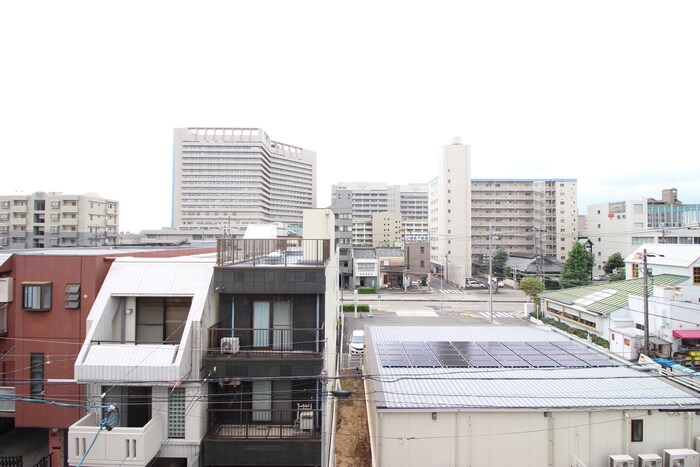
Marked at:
<point>349,307</point>
<point>577,332</point>
<point>366,290</point>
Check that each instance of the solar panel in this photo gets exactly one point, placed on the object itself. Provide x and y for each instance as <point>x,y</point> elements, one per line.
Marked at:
<point>484,363</point>
<point>395,362</point>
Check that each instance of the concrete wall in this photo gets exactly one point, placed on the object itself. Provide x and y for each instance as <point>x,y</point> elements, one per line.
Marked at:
<point>528,439</point>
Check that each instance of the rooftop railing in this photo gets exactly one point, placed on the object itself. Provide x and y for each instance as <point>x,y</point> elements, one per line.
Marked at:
<point>275,252</point>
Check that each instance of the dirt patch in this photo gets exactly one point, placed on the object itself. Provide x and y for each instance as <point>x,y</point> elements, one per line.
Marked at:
<point>352,448</point>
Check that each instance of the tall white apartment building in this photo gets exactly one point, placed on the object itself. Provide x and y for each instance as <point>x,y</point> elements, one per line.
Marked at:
<point>367,198</point>
<point>450,199</point>
<point>227,178</point>
<point>44,220</point>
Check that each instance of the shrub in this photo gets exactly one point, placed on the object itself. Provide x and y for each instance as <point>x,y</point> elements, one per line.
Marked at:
<point>577,332</point>
<point>349,307</point>
<point>366,290</point>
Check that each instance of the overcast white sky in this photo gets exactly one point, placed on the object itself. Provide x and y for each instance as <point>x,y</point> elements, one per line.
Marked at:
<point>606,92</point>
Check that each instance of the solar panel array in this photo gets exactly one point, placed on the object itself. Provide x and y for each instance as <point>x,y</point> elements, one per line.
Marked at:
<point>489,354</point>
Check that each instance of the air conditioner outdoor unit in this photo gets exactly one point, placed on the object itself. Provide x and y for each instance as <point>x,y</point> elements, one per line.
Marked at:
<point>230,345</point>
<point>305,417</point>
<point>5,289</point>
<point>649,460</point>
<point>681,458</point>
<point>620,460</point>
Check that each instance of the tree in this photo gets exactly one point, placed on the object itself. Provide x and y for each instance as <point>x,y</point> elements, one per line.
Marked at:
<point>577,268</point>
<point>615,267</point>
<point>498,260</point>
<point>532,286</point>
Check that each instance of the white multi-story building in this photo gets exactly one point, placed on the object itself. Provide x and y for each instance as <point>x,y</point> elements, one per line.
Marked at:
<point>227,178</point>
<point>387,229</point>
<point>450,199</point>
<point>621,226</point>
<point>43,220</point>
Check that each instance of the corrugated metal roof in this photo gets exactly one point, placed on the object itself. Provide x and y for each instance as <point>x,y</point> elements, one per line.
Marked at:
<point>505,388</point>
<point>666,254</point>
<point>606,298</point>
<point>364,253</point>
<point>386,252</point>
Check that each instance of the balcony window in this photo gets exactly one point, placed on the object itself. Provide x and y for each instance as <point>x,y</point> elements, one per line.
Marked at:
<point>161,319</point>
<point>36,296</point>
<point>272,324</point>
<point>133,402</point>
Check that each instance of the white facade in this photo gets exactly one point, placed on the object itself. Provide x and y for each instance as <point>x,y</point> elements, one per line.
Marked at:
<point>125,351</point>
<point>49,220</point>
<point>225,178</point>
<point>450,213</point>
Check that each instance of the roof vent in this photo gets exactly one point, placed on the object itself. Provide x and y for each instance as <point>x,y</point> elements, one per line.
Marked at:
<point>456,140</point>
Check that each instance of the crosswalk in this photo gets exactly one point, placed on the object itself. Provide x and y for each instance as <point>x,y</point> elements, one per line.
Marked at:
<point>498,314</point>
<point>460,292</point>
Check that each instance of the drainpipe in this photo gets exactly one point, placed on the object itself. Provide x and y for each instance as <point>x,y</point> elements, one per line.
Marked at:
<point>689,429</point>
<point>626,438</point>
<point>550,434</point>
<point>318,321</point>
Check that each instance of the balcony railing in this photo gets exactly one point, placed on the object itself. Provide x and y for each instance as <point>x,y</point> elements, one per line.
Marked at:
<point>286,251</point>
<point>131,446</point>
<point>7,403</point>
<point>262,342</point>
<point>304,423</point>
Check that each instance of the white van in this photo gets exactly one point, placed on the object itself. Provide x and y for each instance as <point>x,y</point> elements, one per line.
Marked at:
<point>357,342</point>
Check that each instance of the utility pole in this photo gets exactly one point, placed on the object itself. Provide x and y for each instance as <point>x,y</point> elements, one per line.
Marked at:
<point>646,305</point>
<point>447,269</point>
<point>490,275</point>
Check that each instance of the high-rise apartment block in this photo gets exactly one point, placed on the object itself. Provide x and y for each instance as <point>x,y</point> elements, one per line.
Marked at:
<point>43,220</point>
<point>227,178</point>
<point>450,219</point>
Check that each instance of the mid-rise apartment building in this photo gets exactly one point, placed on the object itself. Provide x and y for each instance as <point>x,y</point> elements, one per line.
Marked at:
<point>45,220</point>
<point>227,178</point>
<point>531,217</point>
<point>354,204</point>
<point>367,198</point>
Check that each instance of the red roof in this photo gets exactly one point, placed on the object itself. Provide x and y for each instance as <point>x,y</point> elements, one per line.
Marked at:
<point>687,333</point>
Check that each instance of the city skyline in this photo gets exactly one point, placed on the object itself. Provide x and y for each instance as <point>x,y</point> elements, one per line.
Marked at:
<point>604,94</point>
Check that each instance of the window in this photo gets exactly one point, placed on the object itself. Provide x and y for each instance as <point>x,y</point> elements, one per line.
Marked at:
<point>55,204</point>
<point>637,430</point>
<point>4,204</point>
<point>36,375</point>
<point>161,319</point>
<point>696,275</point>
<point>422,263</point>
<point>635,270</point>
<point>36,295</point>
<point>422,251</point>
<point>176,413</point>
<point>73,296</point>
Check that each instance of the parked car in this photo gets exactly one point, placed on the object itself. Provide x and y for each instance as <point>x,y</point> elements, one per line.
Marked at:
<point>357,342</point>
<point>475,284</point>
<point>501,284</point>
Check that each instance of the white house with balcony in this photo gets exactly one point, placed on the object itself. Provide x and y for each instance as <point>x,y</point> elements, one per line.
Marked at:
<point>145,337</point>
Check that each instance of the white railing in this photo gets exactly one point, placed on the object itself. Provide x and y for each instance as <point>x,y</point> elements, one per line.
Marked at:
<point>119,446</point>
